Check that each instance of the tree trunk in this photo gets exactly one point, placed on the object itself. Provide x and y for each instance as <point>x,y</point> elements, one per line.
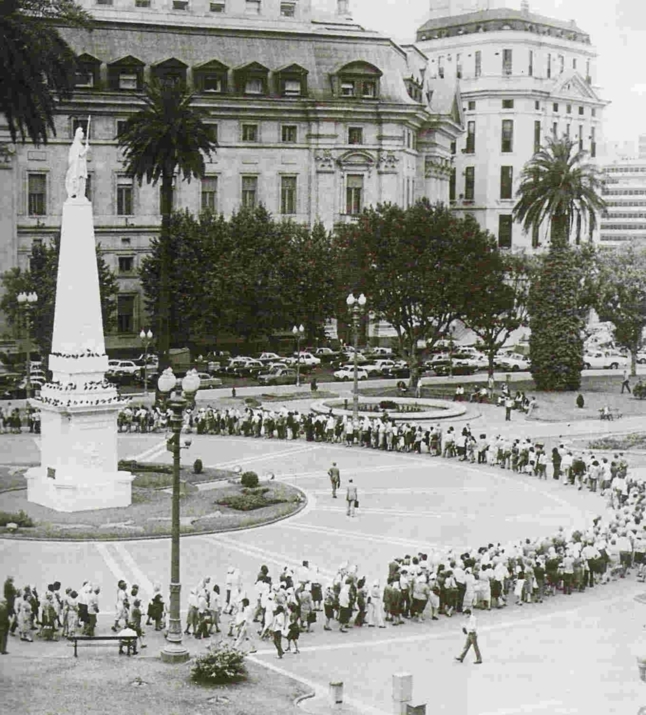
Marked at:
<point>163,329</point>
<point>559,234</point>
<point>492,356</point>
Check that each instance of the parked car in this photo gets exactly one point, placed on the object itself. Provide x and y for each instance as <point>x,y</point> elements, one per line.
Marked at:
<point>604,360</point>
<point>346,373</point>
<point>266,358</point>
<point>348,357</point>
<point>400,369</point>
<point>381,352</point>
<point>326,354</point>
<point>208,382</point>
<point>278,376</point>
<point>463,368</point>
<point>127,366</point>
<point>306,359</point>
<point>514,362</point>
<point>243,367</point>
<point>379,367</point>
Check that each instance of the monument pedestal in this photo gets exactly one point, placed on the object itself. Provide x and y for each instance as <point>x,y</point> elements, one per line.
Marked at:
<point>79,408</point>
<point>78,460</point>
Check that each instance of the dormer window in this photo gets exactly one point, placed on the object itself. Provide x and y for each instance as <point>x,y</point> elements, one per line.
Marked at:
<point>87,72</point>
<point>126,74</point>
<point>251,79</point>
<point>170,71</point>
<point>288,8</point>
<point>292,81</point>
<point>359,80</point>
<point>211,77</point>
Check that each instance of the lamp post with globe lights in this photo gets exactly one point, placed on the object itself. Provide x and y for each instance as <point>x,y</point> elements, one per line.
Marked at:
<point>174,651</point>
<point>357,307</point>
<point>26,302</point>
<point>298,332</point>
<point>146,338</point>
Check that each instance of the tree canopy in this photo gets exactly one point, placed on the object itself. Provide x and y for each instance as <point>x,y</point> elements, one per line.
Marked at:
<point>37,66</point>
<point>622,296</point>
<point>415,266</point>
<point>41,279</point>
<point>556,184</point>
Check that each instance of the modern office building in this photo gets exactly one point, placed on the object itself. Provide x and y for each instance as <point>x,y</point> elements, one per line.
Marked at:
<point>625,194</point>
<point>522,77</point>
<point>315,117</point>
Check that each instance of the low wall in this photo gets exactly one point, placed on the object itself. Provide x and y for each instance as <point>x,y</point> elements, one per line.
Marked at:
<point>424,410</point>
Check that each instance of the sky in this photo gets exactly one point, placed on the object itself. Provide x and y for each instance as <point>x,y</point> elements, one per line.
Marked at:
<point>617,29</point>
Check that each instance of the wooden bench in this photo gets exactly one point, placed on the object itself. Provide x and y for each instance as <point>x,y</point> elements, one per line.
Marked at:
<point>129,641</point>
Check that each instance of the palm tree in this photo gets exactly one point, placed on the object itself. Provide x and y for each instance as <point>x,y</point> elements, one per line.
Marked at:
<point>558,185</point>
<point>36,64</point>
<point>168,135</point>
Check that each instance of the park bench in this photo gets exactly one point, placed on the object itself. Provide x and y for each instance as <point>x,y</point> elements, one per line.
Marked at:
<point>129,641</point>
<point>612,413</point>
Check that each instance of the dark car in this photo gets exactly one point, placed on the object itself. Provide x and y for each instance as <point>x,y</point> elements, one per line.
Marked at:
<point>278,376</point>
<point>458,369</point>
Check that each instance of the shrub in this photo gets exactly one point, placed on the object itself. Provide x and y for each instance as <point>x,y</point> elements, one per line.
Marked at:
<point>249,480</point>
<point>252,402</point>
<point>387,405</point>
<point>220,664</point>
<point>153,481</point>
<point>132,465</point>
<point>198,466</point>
<point>247,502</point>
<point>580,401</point>
<point>21,518</point>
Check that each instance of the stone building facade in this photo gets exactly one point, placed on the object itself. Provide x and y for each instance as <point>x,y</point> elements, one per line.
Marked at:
<point>315,118</point>
<point>522,77</point>
<point>624,191</point>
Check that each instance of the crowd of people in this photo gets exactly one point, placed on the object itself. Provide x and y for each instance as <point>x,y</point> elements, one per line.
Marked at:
<point>412,588</point>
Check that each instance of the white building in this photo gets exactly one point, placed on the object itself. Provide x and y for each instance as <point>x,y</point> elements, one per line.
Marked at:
<point>624,192</point>
<point>522,77</point>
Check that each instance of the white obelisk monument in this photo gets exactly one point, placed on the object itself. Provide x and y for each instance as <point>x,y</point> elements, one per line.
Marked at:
<point>78,407</point>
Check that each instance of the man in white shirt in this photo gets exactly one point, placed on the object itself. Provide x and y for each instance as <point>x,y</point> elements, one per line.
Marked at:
<point>469,628</point>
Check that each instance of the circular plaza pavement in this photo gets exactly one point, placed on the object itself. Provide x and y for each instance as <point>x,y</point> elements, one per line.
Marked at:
<point>568,655</point>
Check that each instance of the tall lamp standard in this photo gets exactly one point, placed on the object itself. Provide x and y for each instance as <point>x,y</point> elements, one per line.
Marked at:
<point>27,301</point>
<point>174,651</point>
<point>298,333</point>
<point>146,338</point>
<point>356,306</point>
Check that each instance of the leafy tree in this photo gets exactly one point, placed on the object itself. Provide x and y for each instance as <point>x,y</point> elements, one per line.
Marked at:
<point>415,266</point>
<point>249,276</point>
<point>622,296</point>
<point>498,299</point>
<point>36,63</point>
<point>560,297</point>
<point>41,279</point>
<point>557,185</point>
<point>166,137</point>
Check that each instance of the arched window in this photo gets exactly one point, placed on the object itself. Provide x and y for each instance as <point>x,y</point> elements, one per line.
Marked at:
<point>358,80</point>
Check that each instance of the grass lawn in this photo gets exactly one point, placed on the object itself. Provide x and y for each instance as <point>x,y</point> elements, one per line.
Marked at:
<point>91,685</point>
<point>597,391</point>
<point>149,513</point>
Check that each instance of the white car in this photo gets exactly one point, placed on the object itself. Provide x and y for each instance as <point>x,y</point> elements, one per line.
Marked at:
<point>306,359</point>
<point>346,373</point>
<point>123,366</point>
<point>382,352</point>
<point>270,357</point>
<point>514,362</point>
<point>378,367</point>
<point>603,360</point>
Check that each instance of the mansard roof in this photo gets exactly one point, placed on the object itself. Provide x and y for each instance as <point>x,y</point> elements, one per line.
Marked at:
<point>499,17</point>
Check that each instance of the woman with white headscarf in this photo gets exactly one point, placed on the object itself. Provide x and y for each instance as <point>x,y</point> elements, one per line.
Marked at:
<point>375,606</point>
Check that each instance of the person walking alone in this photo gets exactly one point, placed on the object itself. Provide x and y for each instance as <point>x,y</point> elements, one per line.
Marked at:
<point>352,498</point>
<point>335,478</point>
<point>625,383</point>
<point>470,631</point>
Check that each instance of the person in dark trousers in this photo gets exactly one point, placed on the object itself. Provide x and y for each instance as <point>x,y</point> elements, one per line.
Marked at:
<point>335,478</point>
<point>470,631</point>
<point>625,383</point>
<point>4,626</point>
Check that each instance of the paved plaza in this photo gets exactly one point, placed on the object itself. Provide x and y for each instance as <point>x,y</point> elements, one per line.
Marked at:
<point>570,655</point>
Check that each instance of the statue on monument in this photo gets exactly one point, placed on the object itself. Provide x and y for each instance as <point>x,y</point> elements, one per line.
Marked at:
<point>77,165</point>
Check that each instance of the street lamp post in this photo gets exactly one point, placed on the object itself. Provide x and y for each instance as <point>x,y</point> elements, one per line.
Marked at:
<point>174,651</point>
<point>27,301</point>
<point>298,333</point>
<point>146,338</point>
<point>356,306</point>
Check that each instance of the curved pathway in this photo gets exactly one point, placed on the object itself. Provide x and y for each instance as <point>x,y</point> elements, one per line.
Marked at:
<point>567,655</point>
